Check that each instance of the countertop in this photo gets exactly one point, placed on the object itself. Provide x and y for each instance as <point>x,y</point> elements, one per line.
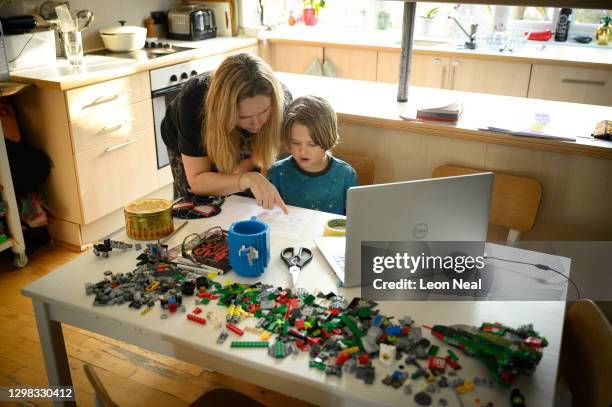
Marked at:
<point>545,52</point>
<point>374,104</point>
<point>102,68</point>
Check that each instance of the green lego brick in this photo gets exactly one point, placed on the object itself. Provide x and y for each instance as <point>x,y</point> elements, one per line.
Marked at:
<point>452,355</point>
<point>351,325</point>
<point>433,350</point>
<point>364,312</point>
<point>309,299</point>
<point>204,301</point>
<point>318,365</point>
<point>249,344</point>
<point>279,349</point>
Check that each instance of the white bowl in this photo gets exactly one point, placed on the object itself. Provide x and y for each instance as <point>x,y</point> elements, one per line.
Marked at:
<point>123,38</point>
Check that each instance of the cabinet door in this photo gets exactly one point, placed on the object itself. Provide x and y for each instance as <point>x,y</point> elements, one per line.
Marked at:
<point>351,63</point>
<point>116,173</point>
<point>429,71</point>
<point>387,67</point>
<point>571,84</point>
<point>485,76</point>
<point>295,58</point>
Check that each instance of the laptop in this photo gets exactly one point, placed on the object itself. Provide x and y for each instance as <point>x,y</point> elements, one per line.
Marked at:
<point>450,209</point>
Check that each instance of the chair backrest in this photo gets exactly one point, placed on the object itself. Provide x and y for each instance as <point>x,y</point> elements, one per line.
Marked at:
<point>101,393</point>
<point>586,355</point>
<point>515,201</point>
<point>364,167</point>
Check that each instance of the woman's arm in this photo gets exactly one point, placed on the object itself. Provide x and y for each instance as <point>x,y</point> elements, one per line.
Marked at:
<point>205,182</point>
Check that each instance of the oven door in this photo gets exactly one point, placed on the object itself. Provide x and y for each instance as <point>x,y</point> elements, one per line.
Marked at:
<point>161,99</point>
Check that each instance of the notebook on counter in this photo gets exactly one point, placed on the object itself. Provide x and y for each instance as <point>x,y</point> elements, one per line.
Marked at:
<point>441,111</point>
<point>538,125</point>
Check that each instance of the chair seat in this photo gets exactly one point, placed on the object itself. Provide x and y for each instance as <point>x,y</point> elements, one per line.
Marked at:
<point>221,397</point>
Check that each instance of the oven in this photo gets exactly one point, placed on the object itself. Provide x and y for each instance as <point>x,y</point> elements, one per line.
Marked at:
<point>166,83</point>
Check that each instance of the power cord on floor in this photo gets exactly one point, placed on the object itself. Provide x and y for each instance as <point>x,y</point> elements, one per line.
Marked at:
<point>541,267</point>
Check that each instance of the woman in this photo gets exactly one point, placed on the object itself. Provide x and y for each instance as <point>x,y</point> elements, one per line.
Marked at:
<point>225,126</point>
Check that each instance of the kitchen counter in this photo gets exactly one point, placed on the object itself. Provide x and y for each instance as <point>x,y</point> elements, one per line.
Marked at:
<point>374,104</point>
<point>102,68</point>
<point>532,52</point>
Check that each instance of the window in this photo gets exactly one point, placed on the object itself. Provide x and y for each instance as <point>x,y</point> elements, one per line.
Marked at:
<point>587,16</point>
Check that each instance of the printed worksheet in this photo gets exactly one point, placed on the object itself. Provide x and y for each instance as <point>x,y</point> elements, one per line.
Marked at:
<point>288,226</point>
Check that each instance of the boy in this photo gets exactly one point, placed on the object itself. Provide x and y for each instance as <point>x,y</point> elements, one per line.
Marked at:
<point>312,178</point>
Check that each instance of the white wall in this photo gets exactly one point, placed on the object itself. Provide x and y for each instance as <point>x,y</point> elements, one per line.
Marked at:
<point>106,13</point>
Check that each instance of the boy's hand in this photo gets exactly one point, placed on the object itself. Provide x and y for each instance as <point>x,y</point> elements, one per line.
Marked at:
<point>264,192</point>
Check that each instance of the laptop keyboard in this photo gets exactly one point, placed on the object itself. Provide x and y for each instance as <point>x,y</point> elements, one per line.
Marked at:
<point>339,259</point>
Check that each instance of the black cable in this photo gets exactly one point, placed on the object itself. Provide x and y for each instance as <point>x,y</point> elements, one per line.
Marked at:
<point>541,267</point>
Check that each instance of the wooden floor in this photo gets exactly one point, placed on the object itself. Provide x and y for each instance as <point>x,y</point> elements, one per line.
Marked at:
<point>133,377</point>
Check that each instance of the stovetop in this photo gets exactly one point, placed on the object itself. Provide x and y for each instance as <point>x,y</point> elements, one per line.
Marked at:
<point>150,51</point>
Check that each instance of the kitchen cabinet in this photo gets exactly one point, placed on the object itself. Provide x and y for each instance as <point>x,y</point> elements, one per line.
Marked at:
<point>489,76</point>
<point>465,74</point>
<point>352,63</point>
<point>101,141</point>
<point>295,58</point>
<point>571,84</point>
<point>349,63</point>
<point>426,70</point>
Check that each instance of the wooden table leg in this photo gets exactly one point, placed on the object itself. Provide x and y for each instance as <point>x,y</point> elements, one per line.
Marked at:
<point>54,349</point>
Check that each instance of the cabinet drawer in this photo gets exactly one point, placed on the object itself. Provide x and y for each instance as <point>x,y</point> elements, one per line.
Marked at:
<point>571,84</point>
<point>93,99</point>
<point>111,126</point>
<point>352,63</point>
<point>116,173</point>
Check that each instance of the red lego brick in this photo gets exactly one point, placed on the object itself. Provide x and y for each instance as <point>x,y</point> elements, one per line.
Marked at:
<point>197,310</point>
<point>195,318</point>
<point>363,358</point>
<point>234,329</point>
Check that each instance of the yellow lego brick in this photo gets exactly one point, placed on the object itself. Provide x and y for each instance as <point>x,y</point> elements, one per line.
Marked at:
<point>265,335</point>
<point>353,349</point>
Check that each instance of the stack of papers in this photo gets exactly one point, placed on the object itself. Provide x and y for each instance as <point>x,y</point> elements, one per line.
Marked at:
<point>528,125</point>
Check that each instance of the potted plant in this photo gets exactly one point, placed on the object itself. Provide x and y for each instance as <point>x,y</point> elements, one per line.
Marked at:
<point>427,20</point>
<point>311,11</point>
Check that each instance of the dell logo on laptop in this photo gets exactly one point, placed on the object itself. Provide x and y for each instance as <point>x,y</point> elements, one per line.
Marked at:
<point>420,230</point>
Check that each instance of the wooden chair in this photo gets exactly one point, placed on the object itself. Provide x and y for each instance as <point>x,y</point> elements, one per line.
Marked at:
<point>100,391</point>
<point>515,200</point>
<point>586,355</point>
<point>364,167</point>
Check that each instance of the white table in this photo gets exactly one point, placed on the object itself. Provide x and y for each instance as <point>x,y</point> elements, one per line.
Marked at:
<point>60,297</point>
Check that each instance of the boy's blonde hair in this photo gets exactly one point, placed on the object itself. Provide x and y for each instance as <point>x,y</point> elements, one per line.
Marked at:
<point>239,77</point>
<point>317,114</point>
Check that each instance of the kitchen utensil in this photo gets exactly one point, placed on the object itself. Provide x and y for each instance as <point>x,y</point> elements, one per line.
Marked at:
<point>84,18</point>
<point>47,11</point>
<point>124,38</point>
<point>66,23</point>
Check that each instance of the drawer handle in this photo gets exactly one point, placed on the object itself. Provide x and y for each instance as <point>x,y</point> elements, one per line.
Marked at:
<point>118,146</point>
<point>117,126</point>
<point>584,82</point>
<point>106,98</point>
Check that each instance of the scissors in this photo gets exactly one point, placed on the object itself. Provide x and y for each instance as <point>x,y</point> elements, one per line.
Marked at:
<point>296,260</point>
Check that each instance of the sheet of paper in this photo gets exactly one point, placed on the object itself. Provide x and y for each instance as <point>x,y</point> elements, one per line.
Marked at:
<point>287,226</point>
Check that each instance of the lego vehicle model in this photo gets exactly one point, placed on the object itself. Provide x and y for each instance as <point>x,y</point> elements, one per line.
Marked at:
<point>507,352</point>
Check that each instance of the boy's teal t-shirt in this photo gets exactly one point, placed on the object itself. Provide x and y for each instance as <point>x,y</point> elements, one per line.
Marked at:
<point>324,191</point>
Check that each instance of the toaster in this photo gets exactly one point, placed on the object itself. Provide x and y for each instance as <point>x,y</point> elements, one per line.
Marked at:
<point>191,23</point>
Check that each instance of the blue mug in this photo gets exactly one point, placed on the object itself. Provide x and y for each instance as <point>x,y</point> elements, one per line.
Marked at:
<point>249,247</point>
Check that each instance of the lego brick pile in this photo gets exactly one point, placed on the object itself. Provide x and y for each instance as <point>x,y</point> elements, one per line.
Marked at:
<point>339,336</point>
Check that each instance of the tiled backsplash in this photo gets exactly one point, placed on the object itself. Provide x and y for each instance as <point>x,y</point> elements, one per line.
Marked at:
<point>106,13</point>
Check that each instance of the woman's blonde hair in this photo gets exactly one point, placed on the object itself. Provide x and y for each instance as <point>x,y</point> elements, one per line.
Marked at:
<point>317,114</point>
<point>239,77</point>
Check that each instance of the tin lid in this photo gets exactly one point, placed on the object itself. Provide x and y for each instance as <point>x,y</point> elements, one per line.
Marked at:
<point>148,207</point>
